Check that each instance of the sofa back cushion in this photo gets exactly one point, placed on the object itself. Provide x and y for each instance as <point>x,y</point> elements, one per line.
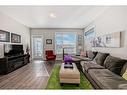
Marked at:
<point>114,64</point>
<point>100,58</point>
<point>91,54</point>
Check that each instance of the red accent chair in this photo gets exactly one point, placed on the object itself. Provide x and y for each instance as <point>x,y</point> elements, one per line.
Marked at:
<point>50,55</point>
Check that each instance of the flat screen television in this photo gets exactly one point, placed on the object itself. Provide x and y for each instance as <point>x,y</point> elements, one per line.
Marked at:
<point>12,50</point>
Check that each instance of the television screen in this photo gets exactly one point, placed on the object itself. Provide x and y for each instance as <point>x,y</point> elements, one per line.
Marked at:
<point>11,50</point>
<point>17,47</point>
<point>7,48</point>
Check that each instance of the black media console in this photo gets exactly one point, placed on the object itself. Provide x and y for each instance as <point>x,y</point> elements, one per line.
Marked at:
<point>11,63</point>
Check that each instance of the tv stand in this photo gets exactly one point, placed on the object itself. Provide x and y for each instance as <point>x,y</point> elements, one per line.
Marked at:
<point>11,63</point>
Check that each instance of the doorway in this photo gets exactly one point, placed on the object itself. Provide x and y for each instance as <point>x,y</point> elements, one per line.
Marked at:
<point>37,47</point>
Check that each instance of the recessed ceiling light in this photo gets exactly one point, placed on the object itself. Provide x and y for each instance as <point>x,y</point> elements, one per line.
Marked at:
<point>52,15</point>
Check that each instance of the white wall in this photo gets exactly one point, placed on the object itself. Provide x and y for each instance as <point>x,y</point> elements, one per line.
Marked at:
<point>114,19</point>
<point>12,26</point>
<point>50,34</point>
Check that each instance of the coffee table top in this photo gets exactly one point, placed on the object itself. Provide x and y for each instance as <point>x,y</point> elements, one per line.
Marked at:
<point>69,71</point>
<point>69,75</point>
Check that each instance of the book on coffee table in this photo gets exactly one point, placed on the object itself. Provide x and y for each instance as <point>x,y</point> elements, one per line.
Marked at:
<point>68,65</point>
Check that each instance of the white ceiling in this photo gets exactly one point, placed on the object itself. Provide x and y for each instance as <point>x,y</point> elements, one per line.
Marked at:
<point>65,16</point>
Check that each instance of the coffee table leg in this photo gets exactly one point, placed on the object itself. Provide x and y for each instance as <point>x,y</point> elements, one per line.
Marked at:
<point>61,84</point>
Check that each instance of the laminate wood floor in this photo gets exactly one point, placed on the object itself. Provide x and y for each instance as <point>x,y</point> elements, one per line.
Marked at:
<point>34,75</point>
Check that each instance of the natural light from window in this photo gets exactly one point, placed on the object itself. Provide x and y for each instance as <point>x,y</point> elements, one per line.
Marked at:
<point>66,41</point>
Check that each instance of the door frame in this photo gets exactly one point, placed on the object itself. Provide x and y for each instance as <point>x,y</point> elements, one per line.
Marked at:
<point>33,47</point>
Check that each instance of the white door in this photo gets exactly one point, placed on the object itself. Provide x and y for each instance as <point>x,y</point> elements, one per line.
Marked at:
<point>37,47</point>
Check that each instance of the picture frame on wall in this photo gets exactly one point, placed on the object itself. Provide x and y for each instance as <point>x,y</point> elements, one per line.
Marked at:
<point>90,36</point>
<point>4,36</point>
<point>111,40</point>
<point>15,38</point>
<point>48,41</point>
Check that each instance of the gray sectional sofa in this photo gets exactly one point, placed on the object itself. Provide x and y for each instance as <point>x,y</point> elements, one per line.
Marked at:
<point>105,71</point>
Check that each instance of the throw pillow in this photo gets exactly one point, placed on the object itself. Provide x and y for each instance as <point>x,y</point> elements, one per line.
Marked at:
<point>100,57</point>
<point>91,54</point>
<point>123,69</point>
<point>83,54</point>
<point>114,64</point>
<point>125,75</point>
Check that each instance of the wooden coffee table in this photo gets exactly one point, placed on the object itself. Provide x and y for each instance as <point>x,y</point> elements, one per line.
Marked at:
<point>69,75</point>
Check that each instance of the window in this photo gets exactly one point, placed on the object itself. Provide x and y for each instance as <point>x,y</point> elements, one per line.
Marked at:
<point>66,41</point>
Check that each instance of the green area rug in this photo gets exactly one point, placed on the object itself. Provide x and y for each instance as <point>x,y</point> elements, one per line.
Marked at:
<point>53,82</point>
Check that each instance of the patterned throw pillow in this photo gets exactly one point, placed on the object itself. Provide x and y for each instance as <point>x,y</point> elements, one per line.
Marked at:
<point>125,75</point>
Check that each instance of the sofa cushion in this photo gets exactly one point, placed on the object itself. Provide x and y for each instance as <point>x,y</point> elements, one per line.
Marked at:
<point>114,64</point>
<point>91,54</point>
<point>100,57</point>
<point>105,79</point>
<point>86,65</point>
